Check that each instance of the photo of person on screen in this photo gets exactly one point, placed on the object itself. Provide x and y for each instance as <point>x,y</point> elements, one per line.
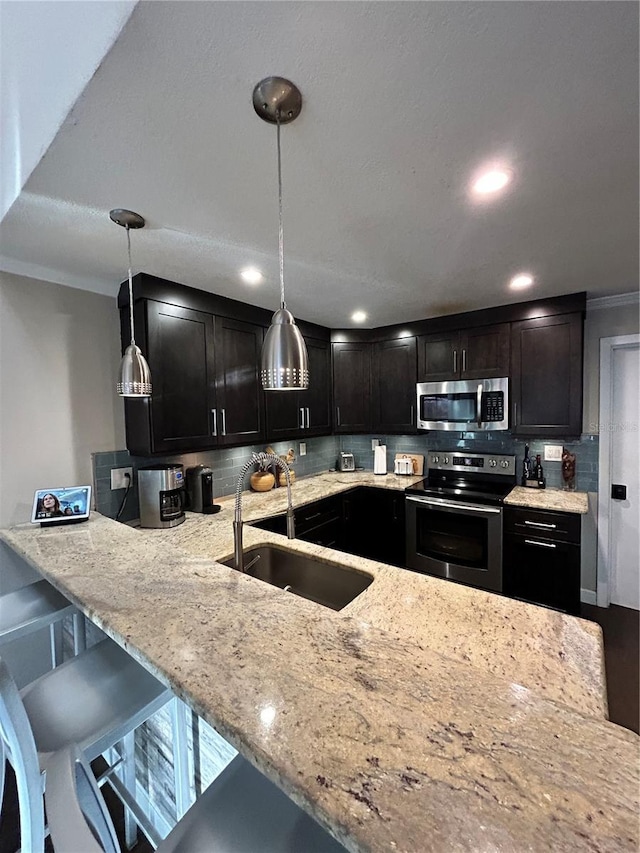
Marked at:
<point>49,507</point>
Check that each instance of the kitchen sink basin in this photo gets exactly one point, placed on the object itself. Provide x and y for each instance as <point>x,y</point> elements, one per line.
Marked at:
<point>327,584</point>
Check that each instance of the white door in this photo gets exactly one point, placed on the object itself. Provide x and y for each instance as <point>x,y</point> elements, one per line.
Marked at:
<point>624,515</point>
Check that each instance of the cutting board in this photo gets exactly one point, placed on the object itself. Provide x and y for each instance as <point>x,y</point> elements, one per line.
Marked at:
<point>416,458</point>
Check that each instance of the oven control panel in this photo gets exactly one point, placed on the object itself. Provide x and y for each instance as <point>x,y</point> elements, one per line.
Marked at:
<point>460,460</point>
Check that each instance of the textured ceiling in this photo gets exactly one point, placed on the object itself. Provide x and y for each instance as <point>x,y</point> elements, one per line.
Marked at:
<point>402,103</point>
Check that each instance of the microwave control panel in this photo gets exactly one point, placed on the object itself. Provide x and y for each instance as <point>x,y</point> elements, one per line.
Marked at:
<point>492,406</point>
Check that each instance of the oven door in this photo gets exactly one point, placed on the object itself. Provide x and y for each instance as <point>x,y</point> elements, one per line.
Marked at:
<point>455,540</point>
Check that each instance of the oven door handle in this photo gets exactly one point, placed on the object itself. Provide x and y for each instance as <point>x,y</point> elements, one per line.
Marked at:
<point>440,504</point>
<point>479,405</point>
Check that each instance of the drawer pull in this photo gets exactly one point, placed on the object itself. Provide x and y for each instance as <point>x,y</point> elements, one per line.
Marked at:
<point>310,517</point>
<point>540,524</point>
<point>539,544</point>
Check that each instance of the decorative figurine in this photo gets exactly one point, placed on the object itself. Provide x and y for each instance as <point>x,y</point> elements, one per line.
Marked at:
<point>568,470</point>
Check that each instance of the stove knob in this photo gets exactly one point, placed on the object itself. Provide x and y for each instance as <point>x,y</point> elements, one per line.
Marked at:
<point>504,463</point>
<point>435,459</point>
<point>446,460</point>
<point>492,463</point>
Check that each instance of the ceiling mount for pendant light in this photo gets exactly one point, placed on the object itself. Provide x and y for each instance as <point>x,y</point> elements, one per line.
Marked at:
<point>284,364</point>
<point>135,377</point>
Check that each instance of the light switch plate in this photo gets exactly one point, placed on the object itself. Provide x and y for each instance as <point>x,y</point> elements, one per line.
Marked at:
<point>303,448</point>
<point>375,442</point>
<point>118,479</point>
<point>553,453</point>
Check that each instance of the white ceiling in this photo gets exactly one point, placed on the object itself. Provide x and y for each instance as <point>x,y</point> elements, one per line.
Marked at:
<point>402,103</point>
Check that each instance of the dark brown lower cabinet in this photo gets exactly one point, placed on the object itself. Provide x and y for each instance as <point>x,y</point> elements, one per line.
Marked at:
<point>541,558</point>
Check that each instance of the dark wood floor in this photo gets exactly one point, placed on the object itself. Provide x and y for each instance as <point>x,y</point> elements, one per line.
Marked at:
<point>621,629</point>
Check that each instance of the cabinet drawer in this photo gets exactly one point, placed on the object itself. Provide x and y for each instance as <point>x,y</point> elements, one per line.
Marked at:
<point>317,513</point>
<point>327,534</point>
<point>542,572</point>
<point>539,523</point>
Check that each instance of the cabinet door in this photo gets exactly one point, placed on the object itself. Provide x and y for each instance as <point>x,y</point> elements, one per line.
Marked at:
<point>374,525</point>
<point>542,571</point>
<point>285,416</point>
<point>316,401</point>
<point>439,357</point>
<point>239,392</point>
<point>351,387</point>
<point>484,352</point>
<point>547,376</point>
<point>181,359</point>
<point>394,386</point>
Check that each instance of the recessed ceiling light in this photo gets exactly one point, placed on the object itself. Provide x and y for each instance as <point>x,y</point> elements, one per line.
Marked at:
<point>520,281</point>
<point>491,182</point>
<point>251,275</point>
<point>358,316</point>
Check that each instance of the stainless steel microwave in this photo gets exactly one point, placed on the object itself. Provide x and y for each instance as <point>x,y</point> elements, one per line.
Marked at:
<point>467,405</point>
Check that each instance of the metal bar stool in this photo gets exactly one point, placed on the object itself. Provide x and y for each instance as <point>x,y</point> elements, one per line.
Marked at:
<point>240,812</point>
<point>94,700</point>
<point>37,606</point>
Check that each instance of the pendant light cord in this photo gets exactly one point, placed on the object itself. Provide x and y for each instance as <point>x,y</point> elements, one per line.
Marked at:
<point>133,340</point>
<point>280,229</point>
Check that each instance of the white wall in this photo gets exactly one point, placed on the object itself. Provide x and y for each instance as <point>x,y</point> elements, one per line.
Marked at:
<point>604,319</point>
<point>59,358</point>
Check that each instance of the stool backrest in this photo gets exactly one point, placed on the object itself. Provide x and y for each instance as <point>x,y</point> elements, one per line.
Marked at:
<point>20,748</point>
<point>77,814</point>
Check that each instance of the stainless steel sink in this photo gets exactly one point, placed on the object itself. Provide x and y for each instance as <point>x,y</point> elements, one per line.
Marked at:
<point>308,577</point>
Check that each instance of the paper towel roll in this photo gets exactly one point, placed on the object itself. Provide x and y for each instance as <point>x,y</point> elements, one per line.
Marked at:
<point>380,459</point>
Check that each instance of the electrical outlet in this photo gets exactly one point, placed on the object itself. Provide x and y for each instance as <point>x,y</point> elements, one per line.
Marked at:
<point>118,479</point>
<point>553,453</point>
<point>375,442</point>
<point>303,448</point>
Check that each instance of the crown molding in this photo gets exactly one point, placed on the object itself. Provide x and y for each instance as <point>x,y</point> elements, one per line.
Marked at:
<point>632,298</point>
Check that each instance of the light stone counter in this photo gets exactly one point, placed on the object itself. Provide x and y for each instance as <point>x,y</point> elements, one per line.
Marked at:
<point>392,746</point>
<point>554,499</point>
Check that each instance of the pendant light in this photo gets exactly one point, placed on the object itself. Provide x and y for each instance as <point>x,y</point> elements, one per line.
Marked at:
<point>135,376</point>
<point>284,362</point>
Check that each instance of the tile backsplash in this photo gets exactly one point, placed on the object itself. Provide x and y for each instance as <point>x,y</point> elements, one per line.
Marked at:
<point>226,463</point>
<point>585,448</point>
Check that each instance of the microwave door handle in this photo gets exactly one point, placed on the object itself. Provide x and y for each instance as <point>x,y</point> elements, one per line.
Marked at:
<point>479,405</point>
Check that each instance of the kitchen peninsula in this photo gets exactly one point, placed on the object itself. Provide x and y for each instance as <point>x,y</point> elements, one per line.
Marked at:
<point>389,741</point>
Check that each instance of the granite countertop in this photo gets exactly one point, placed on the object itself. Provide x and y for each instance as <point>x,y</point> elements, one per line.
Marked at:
<point>389,743</point>
<point>554,499</point>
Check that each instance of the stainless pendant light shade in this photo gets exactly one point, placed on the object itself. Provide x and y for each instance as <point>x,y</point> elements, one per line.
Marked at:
<point>135,377</point>
<point>284,361</point>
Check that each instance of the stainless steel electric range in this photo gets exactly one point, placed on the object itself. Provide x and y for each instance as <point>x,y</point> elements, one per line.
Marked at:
<point>454,517</point>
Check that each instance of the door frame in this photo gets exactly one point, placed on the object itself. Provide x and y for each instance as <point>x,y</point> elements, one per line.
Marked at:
<point>604,558</point>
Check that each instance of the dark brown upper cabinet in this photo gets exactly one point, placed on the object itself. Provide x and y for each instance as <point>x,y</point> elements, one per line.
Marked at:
<point>206,389</point>
<point>546,376</point>
<point>239,396</point>
<point>351,363</point>
<point>300,414</point>
<point>475,353</point>
<point>393,375</point>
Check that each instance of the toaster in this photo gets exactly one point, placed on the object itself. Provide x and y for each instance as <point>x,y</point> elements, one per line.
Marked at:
<point>346,462</point>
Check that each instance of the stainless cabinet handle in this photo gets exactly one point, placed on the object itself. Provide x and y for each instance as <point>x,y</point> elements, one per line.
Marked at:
<point>301,418</point>
<point>411,415</point>
<point>464,360</point>
<point>540,524</point>
<point>223,415</point>
<point>455,361</point>
<point>214,421</point>
<point>539,544</point>
<point>337,415</point>
<point>307,417</point>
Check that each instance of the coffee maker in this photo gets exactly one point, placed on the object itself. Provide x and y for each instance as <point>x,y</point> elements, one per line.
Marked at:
<point>200,490</point>
<point>161,495</point>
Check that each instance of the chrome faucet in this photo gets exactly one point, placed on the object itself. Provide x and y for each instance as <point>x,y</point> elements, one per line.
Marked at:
<point>238,555</point>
